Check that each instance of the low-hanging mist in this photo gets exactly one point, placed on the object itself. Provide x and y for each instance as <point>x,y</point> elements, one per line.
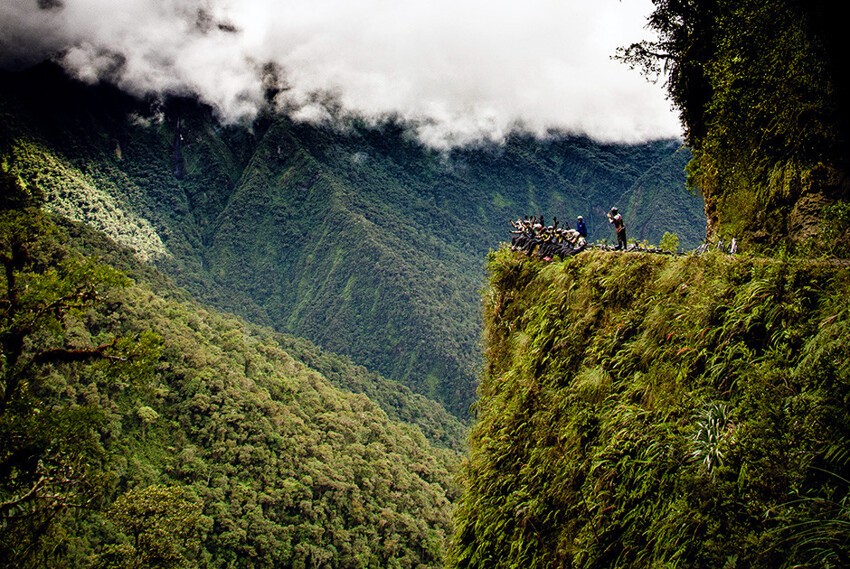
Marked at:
<point>456,72</point>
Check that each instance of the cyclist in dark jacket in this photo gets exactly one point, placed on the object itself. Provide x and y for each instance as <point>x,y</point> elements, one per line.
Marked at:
<point>581,227</point>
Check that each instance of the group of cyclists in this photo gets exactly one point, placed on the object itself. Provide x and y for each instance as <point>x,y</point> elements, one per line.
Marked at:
<point>532,236</point>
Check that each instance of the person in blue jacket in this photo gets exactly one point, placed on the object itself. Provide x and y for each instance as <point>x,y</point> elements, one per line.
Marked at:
<point>581,227</point>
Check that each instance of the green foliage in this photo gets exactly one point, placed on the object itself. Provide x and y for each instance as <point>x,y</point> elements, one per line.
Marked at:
<point>763,98</point>
<point>397,401</point>
<point>714,428</point>
<point>834,235</point>
<point>656,411</point>
<point>140,431</point>
<point>669,242</point>
<point>291,471</point>
<point>818,537</point>
<point>51,457</point>
<point>162,526</point>
<point>362,241</point>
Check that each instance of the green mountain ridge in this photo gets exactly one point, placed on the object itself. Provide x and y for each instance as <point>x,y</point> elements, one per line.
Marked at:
<point>397,401</point>
<point>359,239</point>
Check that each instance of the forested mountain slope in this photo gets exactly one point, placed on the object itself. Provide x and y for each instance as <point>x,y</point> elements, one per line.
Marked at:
<point>359,239</point>
<point>140,429</point>
<point>643,410</point>
<point>397,401</point>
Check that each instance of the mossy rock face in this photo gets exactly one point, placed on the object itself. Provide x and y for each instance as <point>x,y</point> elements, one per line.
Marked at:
<point>816,216</point>
<point>763,92</point>
<point>792,211</point>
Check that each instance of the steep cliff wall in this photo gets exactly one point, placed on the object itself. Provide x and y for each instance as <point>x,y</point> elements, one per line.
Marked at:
<point>642,410</point>
<point>762,90</point>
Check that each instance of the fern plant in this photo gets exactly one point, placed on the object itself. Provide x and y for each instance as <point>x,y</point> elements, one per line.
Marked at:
<point>714,430</point>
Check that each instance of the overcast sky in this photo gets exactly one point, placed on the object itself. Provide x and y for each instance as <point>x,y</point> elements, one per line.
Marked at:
<point>458,70</point>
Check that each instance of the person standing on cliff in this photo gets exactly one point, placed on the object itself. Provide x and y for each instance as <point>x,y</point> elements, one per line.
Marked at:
<point>581,227</point>
<point>619,226</point>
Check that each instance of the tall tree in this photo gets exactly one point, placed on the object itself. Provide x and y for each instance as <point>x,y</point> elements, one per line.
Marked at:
<point>162,525</point>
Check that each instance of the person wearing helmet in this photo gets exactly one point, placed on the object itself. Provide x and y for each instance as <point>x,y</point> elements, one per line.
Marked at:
<point>619,226</point>
<point>581,227</point>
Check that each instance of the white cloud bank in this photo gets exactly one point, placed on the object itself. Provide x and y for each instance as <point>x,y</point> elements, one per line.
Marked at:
<point>458,70</point>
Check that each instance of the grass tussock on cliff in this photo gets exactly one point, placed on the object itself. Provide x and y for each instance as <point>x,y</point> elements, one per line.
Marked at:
<point>652,411</point>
